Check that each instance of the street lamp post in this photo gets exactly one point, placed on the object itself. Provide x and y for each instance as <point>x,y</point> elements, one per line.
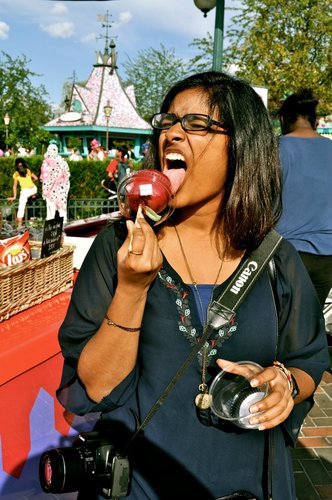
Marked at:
<point>6,119</point>
<point>205,6</point>
<point>107,112</point>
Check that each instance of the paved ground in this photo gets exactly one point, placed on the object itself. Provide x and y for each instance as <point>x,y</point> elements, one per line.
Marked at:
<point>312,457</point>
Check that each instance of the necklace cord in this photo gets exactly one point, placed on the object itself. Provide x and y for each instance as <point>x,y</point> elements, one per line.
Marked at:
<point>193,281</point>
<point>203,388</point>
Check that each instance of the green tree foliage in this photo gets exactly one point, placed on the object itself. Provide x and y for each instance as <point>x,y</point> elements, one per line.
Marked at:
<point>284,46</point>
<point>203,60</point>
<point>74,142</point>
<point>25,104</point>
<point>152,72</point>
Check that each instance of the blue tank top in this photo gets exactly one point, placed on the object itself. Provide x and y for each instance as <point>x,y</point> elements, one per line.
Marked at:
<point>205,293</point>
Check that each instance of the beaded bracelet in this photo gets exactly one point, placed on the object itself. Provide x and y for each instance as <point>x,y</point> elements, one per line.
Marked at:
<point>126,328</point>
<point>286,373</point>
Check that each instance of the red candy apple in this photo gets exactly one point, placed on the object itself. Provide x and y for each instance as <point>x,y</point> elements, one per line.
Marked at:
<point>149,188</point>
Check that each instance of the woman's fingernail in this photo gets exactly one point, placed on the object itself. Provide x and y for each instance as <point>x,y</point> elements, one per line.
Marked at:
<point>254,409</point>
<point>253,421</point>
<point>254,382</point>
<point>139,215</point>
<point>129,224</point>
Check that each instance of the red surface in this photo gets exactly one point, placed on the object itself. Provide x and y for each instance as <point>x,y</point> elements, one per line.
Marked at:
<point>17,400</point>
<point>87,227</point>
<point>31,337</point>
<point>30,359</point>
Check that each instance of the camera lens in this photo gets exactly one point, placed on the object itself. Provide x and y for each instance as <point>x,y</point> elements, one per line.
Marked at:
<point>239,406</point>
<point>62,470</point>
<point>227,391</point>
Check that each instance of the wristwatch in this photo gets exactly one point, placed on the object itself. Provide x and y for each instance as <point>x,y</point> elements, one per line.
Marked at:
<point>296,390</point>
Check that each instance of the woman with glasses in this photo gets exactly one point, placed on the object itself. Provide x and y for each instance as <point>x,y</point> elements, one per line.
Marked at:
<point>139,306</point>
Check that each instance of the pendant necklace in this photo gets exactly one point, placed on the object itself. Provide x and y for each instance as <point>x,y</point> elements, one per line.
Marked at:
<point>202,400</point>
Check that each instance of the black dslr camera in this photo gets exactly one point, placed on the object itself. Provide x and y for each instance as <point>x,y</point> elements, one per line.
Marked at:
<point>92,462</point>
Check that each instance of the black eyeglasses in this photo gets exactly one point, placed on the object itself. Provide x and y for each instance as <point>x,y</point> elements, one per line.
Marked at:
<point>190,123</point>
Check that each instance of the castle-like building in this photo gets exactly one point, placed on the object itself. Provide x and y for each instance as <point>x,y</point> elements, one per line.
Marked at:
<point>102,109</point>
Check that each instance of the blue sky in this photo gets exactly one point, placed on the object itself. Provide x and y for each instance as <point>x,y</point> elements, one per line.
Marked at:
<point>62,37</point>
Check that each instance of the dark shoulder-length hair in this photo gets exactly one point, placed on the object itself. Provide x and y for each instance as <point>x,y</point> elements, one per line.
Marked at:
<point>251,203</point>
<point>21,167</point>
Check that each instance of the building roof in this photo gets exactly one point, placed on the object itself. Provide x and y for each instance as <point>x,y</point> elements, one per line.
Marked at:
<point>102,88</point>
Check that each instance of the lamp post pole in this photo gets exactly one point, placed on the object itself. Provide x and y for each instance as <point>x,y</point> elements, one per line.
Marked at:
<point>205,6</point>
<point>218,42</point>
<point>6,119</point>
<point>107,112</point>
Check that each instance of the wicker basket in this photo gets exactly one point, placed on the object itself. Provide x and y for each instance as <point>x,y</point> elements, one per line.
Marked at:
<point>31,283</point>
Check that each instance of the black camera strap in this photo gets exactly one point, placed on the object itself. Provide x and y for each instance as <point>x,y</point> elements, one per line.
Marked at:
<point>221,312</point>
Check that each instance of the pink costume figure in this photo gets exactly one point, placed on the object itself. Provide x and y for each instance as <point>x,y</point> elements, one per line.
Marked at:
<point>96,152</point>
<point>55,177</point>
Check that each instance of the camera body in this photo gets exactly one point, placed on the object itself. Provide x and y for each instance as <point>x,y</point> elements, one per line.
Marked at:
<point>92,463</point>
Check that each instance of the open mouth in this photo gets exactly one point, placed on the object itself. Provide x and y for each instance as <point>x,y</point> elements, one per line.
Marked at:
<point>175,170</point>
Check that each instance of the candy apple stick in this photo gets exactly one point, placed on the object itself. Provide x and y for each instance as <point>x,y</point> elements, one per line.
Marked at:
<point>139,215</point>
